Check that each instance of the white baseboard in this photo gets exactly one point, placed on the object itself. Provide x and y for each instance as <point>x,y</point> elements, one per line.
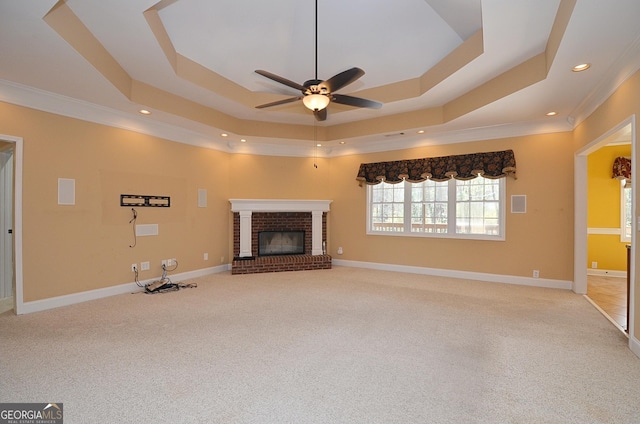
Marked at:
<point>634,345</point>
<point>70,299</point>
<point>606,273</point>
<point>493,278</point>
<point>56,302</point>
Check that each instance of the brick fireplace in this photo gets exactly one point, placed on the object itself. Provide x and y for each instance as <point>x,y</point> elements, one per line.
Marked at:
<point>250,217</point>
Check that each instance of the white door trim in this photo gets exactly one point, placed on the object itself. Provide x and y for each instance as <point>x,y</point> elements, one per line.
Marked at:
<point>6,221</point>
<point>17,219</point>
<point>580,220</point>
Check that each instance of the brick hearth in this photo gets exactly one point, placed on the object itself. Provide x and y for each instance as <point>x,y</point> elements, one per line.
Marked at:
<point>280,263</point>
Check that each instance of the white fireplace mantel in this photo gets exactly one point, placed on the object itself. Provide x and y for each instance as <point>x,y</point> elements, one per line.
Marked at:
<point>245,207</point>
<point>277,205</point>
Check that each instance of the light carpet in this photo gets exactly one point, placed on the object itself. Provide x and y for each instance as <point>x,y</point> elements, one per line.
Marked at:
<point>333,346</point>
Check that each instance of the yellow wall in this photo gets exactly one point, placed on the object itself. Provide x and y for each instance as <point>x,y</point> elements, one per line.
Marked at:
<point>603,194</point>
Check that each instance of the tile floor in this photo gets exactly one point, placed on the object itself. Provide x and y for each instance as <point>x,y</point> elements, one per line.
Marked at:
<point>610,294</point>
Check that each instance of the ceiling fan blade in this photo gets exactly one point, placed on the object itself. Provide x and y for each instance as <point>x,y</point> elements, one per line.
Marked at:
<point>342,79</point>
<point>321,115</point>
<point>279,102</point>
<point>281,80</point>
<point>355,101</point>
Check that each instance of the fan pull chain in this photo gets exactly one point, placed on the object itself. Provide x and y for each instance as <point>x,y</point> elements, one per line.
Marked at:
<point>315,144</point>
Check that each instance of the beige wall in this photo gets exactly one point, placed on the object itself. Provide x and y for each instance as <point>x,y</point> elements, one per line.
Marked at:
<point>541,239</point>
<point>69,249</point>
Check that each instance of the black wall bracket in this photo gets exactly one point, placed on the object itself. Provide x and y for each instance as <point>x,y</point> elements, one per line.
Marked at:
<point>145,201</point>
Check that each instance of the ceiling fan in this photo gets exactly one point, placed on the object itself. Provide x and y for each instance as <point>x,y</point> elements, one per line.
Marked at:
<point>317,94</point>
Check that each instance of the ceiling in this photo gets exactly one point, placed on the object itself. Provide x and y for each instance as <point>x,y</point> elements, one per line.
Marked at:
<point>445,70</point>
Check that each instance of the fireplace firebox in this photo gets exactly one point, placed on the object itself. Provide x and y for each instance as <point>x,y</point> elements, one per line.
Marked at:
<point>271,243</point>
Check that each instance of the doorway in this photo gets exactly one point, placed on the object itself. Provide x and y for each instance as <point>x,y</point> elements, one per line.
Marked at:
<point>11,290</point>
<point>605,286</point>
<point>6,227</point>
<point>609,232</point>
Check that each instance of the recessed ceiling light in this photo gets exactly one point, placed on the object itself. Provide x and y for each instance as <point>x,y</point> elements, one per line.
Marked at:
<point>421,132</point>
<point>318,145</point>
<point>581,67</point>
<point>224,135</point>
<point>342,142</point>
<point>552,113</point>
<point>242,140</point>
<point>144,112</point>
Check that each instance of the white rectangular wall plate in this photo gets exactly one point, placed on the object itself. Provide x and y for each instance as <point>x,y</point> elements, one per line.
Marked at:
<point>66,191</point>
<point>146,230</point>
<point>202,197</point>
<point>519,203</point>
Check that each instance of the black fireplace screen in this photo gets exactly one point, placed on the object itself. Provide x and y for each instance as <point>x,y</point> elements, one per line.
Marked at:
<point>280,243</point>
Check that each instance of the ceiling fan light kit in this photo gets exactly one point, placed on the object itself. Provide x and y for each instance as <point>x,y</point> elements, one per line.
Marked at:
<point>317,94</point>
<point>315,101</point>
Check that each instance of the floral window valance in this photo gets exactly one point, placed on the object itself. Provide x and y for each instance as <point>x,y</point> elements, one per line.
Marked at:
<point>622,169</point>
<point>461,167</point>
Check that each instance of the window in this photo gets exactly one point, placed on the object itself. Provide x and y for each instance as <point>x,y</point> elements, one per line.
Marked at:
<point>625,212</point>
<point>454,208</point>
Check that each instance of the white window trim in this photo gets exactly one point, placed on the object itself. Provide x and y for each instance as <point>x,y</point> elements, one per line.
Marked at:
<point>501,236</point>
<point>623,214</point>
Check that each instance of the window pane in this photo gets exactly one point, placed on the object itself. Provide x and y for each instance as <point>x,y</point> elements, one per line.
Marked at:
<point>627,212</point>
<point>376,194</point>
<point>476,207</point>
<point>462,192</point>
<point>417,193</point>
<point>429,209</point>
<point>387,207</point>
<point>398,192</point>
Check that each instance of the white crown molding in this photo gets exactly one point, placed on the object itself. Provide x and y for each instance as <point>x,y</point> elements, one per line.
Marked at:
<point>618,73</point>
<point>38,99</point>
<point>45,101</point>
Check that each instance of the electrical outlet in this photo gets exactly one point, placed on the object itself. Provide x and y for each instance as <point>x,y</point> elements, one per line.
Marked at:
<point>164,262</point>
<point>174,262</point>
<point>206,256</point>
<point>594,265</point>
<point>144,266</point>
<point>536,273</point>
<point>134,267</point>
